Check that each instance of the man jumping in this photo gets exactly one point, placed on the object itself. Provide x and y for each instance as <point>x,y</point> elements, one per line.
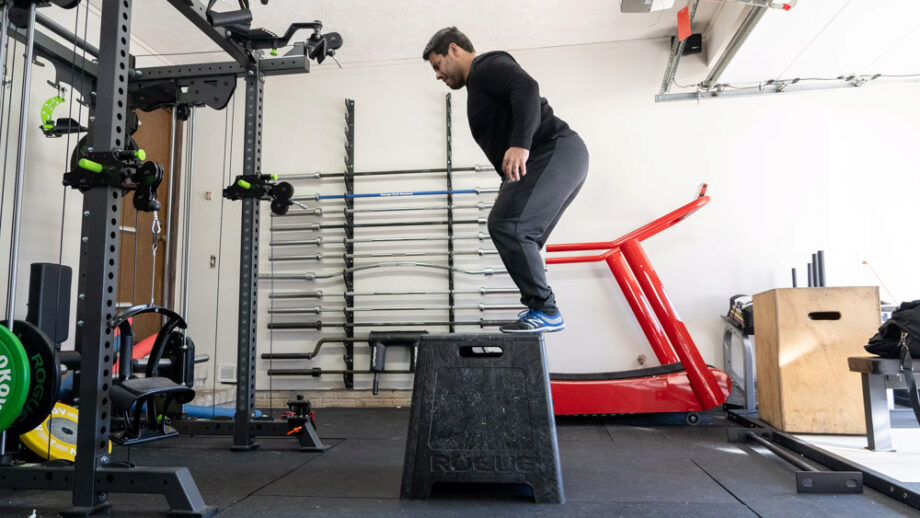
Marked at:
<point>542,162</point>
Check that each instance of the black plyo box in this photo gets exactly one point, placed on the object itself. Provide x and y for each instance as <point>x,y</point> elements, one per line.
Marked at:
<point>482,412</point>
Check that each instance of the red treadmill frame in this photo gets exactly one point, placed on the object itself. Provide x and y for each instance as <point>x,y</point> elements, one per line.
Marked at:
<point>694,388</point>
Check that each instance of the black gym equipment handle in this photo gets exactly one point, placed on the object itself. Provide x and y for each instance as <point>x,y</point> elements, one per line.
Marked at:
<point>380,340</point>
<point>314,353</point>
<point>238,18</point>
<point>405,337</point>
<point>70,4</point>
<point>294,27</point>
<point>124,346</point>
<point>146,308</point>
<point>120,321</point>
<point>241,17</point>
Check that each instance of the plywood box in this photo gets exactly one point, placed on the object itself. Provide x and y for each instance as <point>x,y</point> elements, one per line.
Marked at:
<point>804,337</point>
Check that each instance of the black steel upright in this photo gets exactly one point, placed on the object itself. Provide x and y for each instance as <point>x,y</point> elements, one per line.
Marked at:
<point>243,438</point>
<point>99,258</point>
<point>92,477</point>
<point>214,84</point>
<point>450,220</point>
<point>349,276</point>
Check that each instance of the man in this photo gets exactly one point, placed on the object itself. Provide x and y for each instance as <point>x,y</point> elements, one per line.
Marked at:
<point>543,163</point>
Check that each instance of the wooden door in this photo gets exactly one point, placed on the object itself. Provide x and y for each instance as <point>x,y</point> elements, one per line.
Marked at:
<point>137,273</point>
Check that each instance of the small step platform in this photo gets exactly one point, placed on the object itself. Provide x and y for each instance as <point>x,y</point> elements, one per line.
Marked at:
<point>482,413</point>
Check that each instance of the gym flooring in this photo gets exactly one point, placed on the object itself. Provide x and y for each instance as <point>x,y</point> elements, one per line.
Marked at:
<point>614,466</point>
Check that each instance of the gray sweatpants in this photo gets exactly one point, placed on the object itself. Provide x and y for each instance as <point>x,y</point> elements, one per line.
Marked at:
<point>526,211</point>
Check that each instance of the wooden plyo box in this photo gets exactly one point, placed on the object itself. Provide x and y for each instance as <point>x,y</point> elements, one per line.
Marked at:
<point>803,339</point>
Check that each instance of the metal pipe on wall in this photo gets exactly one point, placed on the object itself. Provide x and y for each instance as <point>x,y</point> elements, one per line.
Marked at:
<point>821,280</point>
<point>320,241</point>
<point>315,310</point>
<point>307,211</point>
<point>4,40</point>
<point>63,32</point>
<point>319,324</point>
<point>172,182</point>
<point>314,227</point>
<point>311,276</point>
<point>186,224</point>
<point>319,175</point>
<point>318,371</point>
<point>814,270</point>
<point>319,257</point>
<point>478,206</point>
<point>20,173</point>
<point>20,167</point>
<point>318,294</point>
<point>396,194</point>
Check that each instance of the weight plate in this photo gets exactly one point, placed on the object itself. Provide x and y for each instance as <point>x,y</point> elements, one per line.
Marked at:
<point>56,437</point>
<point>44,375</point>
<point>14,378</point>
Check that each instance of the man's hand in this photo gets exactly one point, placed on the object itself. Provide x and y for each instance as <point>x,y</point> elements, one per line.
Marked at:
<point>514,165</point>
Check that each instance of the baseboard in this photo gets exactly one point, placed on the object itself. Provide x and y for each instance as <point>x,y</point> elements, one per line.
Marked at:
<point>336,398</point>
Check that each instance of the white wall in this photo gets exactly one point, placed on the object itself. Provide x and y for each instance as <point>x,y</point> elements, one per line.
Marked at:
<point>788,175</point>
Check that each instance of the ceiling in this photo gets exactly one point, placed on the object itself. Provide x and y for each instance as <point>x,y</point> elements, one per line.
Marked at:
<point>829,38</point>
<point>817,38</point>
<point>383,31</point>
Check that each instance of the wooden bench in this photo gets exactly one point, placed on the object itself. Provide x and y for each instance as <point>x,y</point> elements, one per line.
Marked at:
<point>878,375</point>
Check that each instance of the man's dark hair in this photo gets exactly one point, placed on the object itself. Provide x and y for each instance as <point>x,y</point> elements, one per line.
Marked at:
<point>443,38</point>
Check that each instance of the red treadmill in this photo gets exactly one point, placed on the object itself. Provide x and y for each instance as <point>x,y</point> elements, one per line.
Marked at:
<point>683,382</point>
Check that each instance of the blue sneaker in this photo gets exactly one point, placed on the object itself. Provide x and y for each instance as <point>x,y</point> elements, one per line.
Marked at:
<point>533,321</point>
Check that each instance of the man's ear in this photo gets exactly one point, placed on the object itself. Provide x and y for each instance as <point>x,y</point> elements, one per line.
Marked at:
<point>454,49</point>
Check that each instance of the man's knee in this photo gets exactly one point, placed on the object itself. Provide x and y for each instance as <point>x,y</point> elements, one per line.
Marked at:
<point>501,228</point>
<point>506,232</point>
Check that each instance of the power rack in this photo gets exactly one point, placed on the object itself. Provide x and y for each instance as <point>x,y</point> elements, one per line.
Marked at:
<point>113,88</point>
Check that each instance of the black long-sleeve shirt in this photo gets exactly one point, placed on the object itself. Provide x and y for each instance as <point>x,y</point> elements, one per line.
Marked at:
<point>504,108</point>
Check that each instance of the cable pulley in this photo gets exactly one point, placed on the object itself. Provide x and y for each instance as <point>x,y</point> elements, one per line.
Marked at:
<point>264,187</point>
<point>125,168</point>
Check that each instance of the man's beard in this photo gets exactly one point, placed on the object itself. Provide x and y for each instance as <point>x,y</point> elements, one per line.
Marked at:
<point>457,82</point>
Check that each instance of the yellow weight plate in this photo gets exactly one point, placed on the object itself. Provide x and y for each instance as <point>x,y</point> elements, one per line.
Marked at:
<point>61,427</point>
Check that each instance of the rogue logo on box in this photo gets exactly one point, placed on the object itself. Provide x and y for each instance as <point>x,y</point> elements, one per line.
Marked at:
<point>495,463</point>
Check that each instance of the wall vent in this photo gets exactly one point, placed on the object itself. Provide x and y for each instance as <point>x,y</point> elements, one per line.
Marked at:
<point>226,373</point>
